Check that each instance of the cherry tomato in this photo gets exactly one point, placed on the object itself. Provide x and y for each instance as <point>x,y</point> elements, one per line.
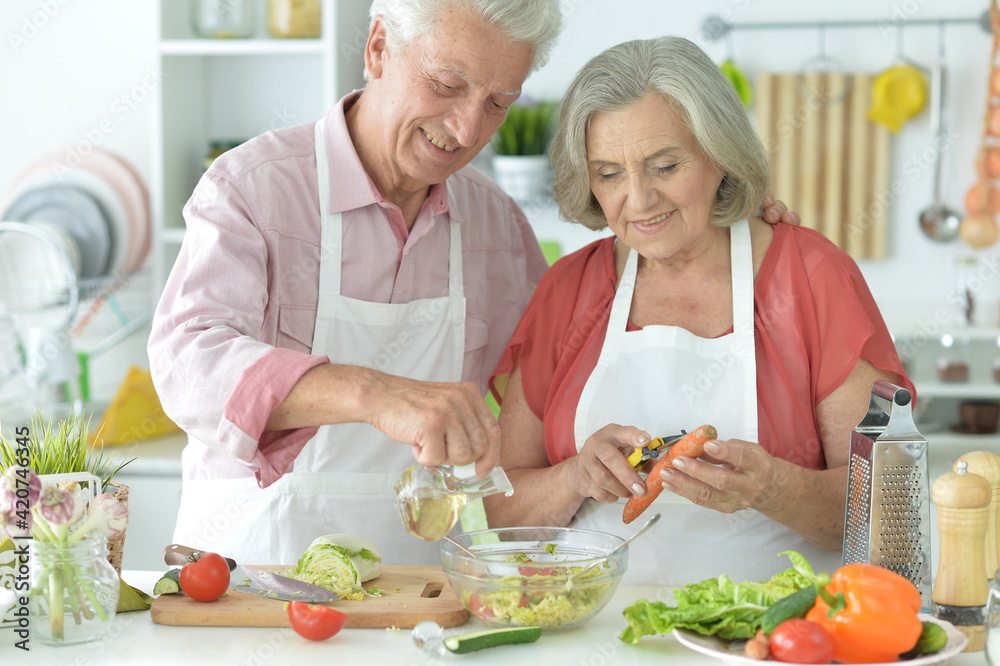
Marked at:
<point>206,578</point>
<point>315,622</point>
<point>802,642</point>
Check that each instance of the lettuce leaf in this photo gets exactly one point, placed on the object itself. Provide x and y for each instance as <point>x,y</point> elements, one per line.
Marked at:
<point>718,606</point>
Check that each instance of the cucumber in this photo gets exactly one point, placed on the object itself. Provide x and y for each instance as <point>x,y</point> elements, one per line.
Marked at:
<point>479,640</point>
<point>169,583</point>
<point>932,639</point>
<point>795,605</point>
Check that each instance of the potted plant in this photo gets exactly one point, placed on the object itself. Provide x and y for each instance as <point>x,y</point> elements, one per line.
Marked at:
<point>60,447</point>
<point>521,163</point>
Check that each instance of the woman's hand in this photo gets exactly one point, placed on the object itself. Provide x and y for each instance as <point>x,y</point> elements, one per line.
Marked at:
<point>735,475</point>
<point>601,469</point>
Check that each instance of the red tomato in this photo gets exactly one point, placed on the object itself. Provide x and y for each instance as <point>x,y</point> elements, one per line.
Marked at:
<point>315,622</point>
<point>801,642</point>
<point>479,610</point>
<point>205,579</point>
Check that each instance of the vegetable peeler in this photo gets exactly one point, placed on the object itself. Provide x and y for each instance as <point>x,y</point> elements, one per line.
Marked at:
<point>641,455</point>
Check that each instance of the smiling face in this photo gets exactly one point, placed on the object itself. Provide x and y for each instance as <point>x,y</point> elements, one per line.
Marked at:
<point>439,99</point>
<point>654,184</point>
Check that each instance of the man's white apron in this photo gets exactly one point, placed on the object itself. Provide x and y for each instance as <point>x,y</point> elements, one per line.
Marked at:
<point>342,481</point>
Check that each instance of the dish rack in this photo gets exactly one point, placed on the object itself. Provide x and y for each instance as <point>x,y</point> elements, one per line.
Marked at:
<point>46,352</point>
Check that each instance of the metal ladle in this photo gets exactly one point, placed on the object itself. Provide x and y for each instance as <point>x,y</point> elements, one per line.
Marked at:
<point>939,222</point>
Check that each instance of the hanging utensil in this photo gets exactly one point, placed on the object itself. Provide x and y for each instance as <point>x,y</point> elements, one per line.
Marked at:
<point>939,222</point>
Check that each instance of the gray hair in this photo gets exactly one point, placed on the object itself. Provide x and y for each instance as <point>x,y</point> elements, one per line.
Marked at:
<point>706,101</point>
<point>535,22</point>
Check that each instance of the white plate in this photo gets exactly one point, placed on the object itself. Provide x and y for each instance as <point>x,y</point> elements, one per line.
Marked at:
<point>122,177</point>
<point>111,202</point>
<point>75,210</point>
<point>731,652</point>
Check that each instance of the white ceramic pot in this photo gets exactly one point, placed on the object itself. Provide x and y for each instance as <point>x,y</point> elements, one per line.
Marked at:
<point>524,177</point>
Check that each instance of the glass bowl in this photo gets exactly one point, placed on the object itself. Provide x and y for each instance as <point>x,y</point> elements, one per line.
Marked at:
<point>549,577</point>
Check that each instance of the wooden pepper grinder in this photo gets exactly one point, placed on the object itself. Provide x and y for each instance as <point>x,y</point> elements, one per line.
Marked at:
<point>960,590</point>
<point>987,465</point>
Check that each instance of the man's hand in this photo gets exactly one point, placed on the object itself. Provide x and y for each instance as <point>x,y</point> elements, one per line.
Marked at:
<point>446,423</point>
<point>775,211</point>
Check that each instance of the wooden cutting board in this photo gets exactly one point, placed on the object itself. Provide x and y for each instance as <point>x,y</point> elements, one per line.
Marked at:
<point>410,595</point>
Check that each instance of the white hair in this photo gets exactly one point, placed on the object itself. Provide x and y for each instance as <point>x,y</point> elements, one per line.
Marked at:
<point>534,22</point>
<point>697,89</point>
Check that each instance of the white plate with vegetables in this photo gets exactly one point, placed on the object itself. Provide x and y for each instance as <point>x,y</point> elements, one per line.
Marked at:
<point>731,652</point>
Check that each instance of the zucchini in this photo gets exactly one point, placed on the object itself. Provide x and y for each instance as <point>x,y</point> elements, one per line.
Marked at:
<point>479,640</point>
<point>169,583</point>
<point>932,639</point>
<point>795,605</point>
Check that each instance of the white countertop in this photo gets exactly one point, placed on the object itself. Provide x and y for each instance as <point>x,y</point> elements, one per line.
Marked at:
<point>135,639</point>
<point>160,456</point>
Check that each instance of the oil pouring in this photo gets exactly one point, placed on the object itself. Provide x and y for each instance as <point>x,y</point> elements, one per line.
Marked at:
<point>960,586</point>
<point>430,499</point>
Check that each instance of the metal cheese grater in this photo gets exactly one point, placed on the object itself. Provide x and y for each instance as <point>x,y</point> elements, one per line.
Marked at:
<point>887,521</point>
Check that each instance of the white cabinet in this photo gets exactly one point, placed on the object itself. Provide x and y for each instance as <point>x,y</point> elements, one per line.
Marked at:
<point>234,89</point>
<point>210,90</point>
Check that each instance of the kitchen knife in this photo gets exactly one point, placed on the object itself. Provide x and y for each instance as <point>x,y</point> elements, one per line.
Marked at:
<point>260,582</point>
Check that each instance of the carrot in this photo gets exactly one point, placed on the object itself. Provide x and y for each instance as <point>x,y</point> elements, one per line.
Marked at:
<point>691,445</point>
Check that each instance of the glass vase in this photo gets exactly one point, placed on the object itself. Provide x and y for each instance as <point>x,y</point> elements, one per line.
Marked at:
<point>74,591</point>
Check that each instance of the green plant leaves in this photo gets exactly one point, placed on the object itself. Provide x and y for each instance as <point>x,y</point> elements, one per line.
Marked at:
<point>60,448</point>
<point>527,129</point>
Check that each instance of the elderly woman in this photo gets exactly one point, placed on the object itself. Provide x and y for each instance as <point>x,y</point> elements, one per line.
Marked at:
<point>694,312</point>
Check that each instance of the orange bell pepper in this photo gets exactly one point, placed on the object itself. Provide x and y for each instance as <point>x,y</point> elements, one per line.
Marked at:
<point>871,613</point>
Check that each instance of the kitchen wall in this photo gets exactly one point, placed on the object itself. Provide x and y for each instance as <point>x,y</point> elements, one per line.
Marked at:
<point>77,73</point>
<point>912,283</point>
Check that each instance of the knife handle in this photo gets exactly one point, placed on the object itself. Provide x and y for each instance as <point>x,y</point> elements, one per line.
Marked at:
<point>179,555</point>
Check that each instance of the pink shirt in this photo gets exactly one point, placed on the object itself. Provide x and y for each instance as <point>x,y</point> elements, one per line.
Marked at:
<point>814,317</point>
<point>233,330</point>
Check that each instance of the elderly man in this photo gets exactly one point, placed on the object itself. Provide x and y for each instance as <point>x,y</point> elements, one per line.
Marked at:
<point>348,286</point>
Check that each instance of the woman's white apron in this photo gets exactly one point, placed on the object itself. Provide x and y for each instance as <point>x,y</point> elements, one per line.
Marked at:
<point>665,379</point>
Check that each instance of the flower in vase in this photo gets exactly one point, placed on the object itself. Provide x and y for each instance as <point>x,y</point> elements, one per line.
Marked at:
<point>58,516</point>
<point>106,515</point>
<point>56,506</point>
<point>24,485</point>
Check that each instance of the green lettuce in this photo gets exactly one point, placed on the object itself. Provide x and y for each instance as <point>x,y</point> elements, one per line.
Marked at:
<point>718,606</point>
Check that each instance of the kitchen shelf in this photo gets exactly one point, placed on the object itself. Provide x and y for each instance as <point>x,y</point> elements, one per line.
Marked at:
<point>236,89</point>
<point>971,333</point>
<point>238,47</point>
<point>173,235</point>
<point>980,390</point>
<point>962,443</point>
